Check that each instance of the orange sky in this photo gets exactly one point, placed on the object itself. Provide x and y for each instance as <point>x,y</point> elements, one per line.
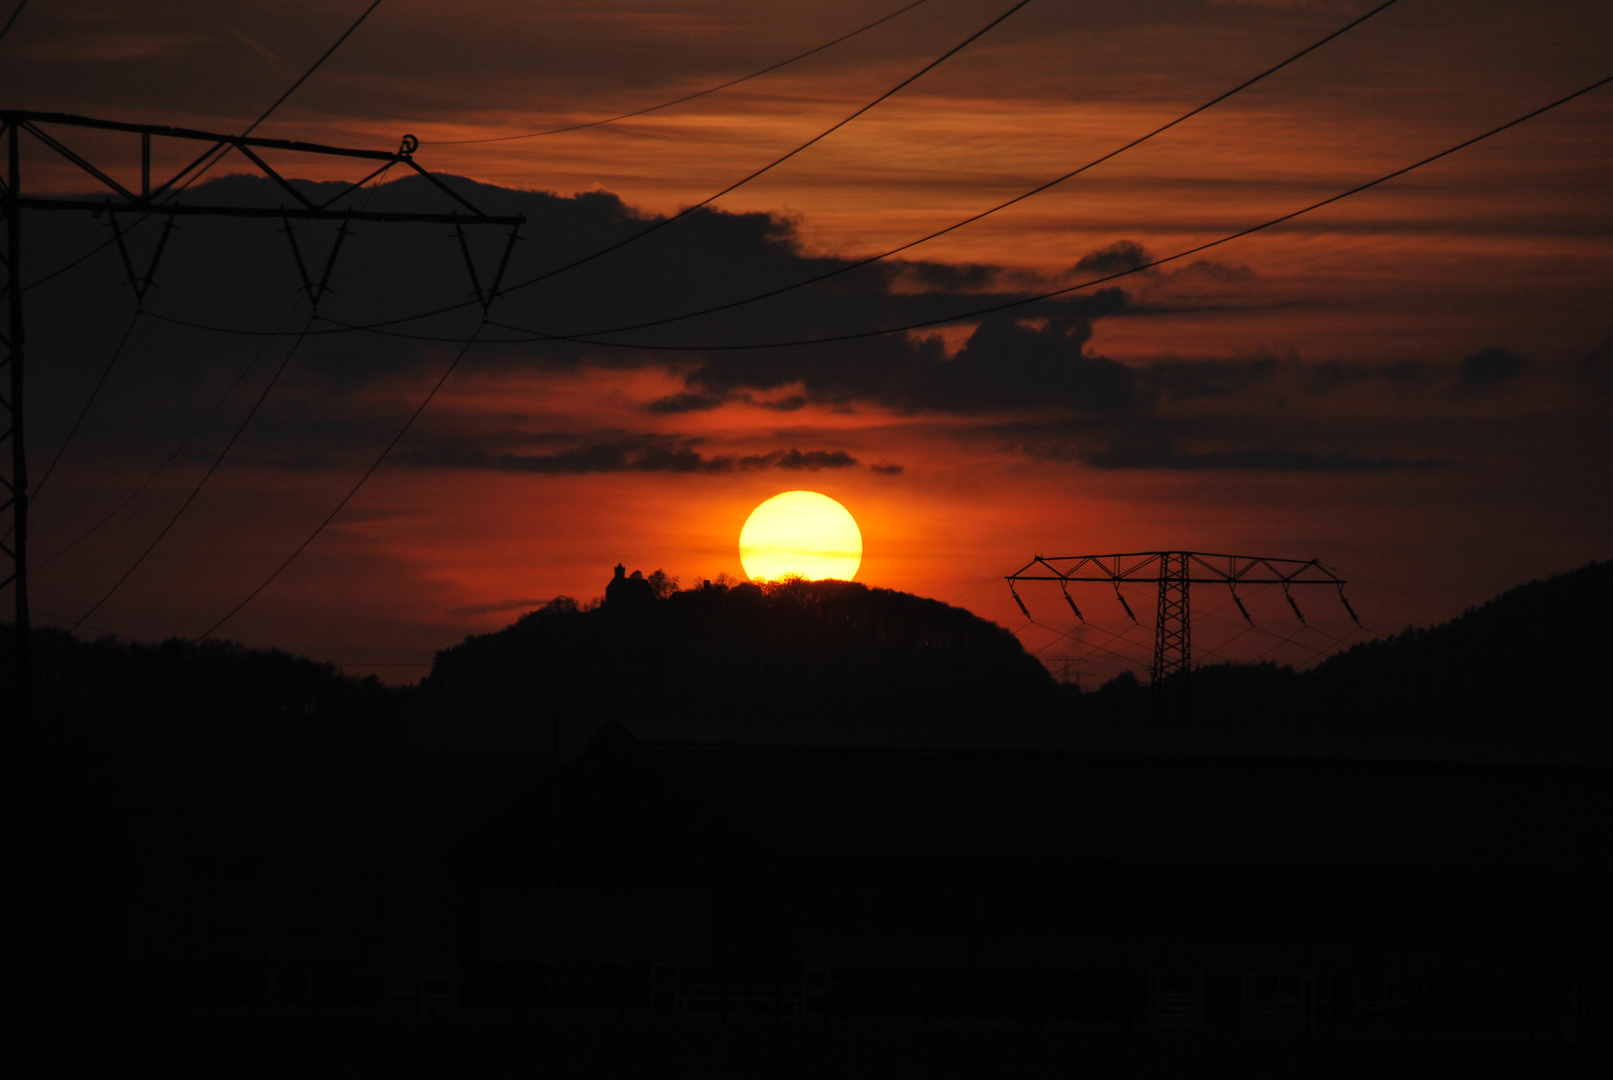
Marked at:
<point>1310,391</point>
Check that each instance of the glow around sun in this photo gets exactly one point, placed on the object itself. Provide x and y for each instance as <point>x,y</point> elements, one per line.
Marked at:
<point>800,532</point>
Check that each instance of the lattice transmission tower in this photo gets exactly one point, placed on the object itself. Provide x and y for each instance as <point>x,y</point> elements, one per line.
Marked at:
<point>1174,573</point>
<point>141,198</point>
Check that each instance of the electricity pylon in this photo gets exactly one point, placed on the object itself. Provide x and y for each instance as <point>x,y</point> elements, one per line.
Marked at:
<point>1175,572</point>
<point>144,200</point>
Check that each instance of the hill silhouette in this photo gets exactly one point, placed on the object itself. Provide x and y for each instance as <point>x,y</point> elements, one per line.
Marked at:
<point>1528,665</point>
<point>212,826</point>
<point>798,653</point>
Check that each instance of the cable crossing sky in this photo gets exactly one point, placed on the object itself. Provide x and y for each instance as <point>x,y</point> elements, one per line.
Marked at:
<point>687,97</point>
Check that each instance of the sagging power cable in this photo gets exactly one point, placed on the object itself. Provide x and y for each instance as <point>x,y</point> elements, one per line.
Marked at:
<point>167,461</point>
<point>216,153</point>
<point>404,430</point>
<point>1008,305</point>
<point>687,97</point>
<point>771,165</point>
<point>197,489</point>
<point>1045,186</point>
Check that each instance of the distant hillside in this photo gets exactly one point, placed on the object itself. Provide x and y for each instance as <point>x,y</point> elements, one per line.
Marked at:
<point>118,697</point>
<point>1530,664</point>
<point>828,652</point>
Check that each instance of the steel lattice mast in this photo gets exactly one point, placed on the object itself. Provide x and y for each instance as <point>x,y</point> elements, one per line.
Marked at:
<point>1174,572</point>
<point>147,199</point>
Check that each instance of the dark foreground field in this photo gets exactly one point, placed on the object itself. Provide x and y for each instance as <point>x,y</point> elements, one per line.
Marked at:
<point>577,1046</point>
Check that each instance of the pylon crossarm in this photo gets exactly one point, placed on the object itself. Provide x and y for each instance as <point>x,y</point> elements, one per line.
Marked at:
<point>285,185</point>
<point>444,188</point>
<point>79,160</point>
<point>354,186</point>
<point>1207,568</point>
<point>220,148</point>
<point>24,116</point>
<point>13,122</point>
<point>296,213</point>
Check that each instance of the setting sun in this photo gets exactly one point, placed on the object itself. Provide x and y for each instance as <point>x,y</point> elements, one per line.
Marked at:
<point>800,532</point>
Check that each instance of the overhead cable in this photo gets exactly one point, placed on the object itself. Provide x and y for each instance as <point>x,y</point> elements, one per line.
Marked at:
<point>775,163</point>
<point>1037,190</point>
<point>197,489</point>
<point>687,97</point>
<point>407,424</point>
<point>974,313</point>
<point>6,29</point>
<point>857,264</point>
<point>169,460</point>
<point>83,412</point>
<point>218,151</point>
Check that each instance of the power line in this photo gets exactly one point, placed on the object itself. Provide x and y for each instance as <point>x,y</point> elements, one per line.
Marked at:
<point>686,97</point>
<point>313,314</point>
<point>407,424</point>
<point>216,153</point>
<point>6,29</point>
<point>528,334</point>
<point>82,413</point>
<point>208,475</point>
<point>292,89</point>
<point>955,225</point>
<point>93,529</point>
<point>781,159</point>
<point>536,335</point>
<point>1037,190</point>
<point>139,311</point>
<point>1398,592</point>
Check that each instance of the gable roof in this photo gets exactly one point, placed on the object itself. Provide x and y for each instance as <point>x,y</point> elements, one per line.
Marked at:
<point>676,802</point>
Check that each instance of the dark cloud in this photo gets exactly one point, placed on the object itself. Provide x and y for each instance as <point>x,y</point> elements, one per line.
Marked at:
<point>786,404</point>
<point>810,461</point>
<point>1334,375</point>
<point>242,274</point>
<point>1491,367</point>
<point>687,401</point>
<point>497,606</point>
<point>626,453</point>
<point>948,277</point>
<point>1596,369</point>
<point>1160,443</point>
<point>1264,460</point>
<point>1008,362</point>
<point>1212,273</point>
<point>1208,378</point>
<point>1035,358</point>
<point>1121,255</point>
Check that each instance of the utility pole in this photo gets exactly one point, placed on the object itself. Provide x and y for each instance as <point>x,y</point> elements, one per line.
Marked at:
<point>143,200</point>
<point>1068,672</point>
<point>11,396</point>
<point>1174,573</point>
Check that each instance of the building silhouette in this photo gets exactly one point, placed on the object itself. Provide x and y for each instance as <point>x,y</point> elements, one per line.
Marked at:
<point>627,592</point>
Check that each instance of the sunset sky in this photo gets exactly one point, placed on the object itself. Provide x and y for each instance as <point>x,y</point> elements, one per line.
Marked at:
<point>1414,385</point>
